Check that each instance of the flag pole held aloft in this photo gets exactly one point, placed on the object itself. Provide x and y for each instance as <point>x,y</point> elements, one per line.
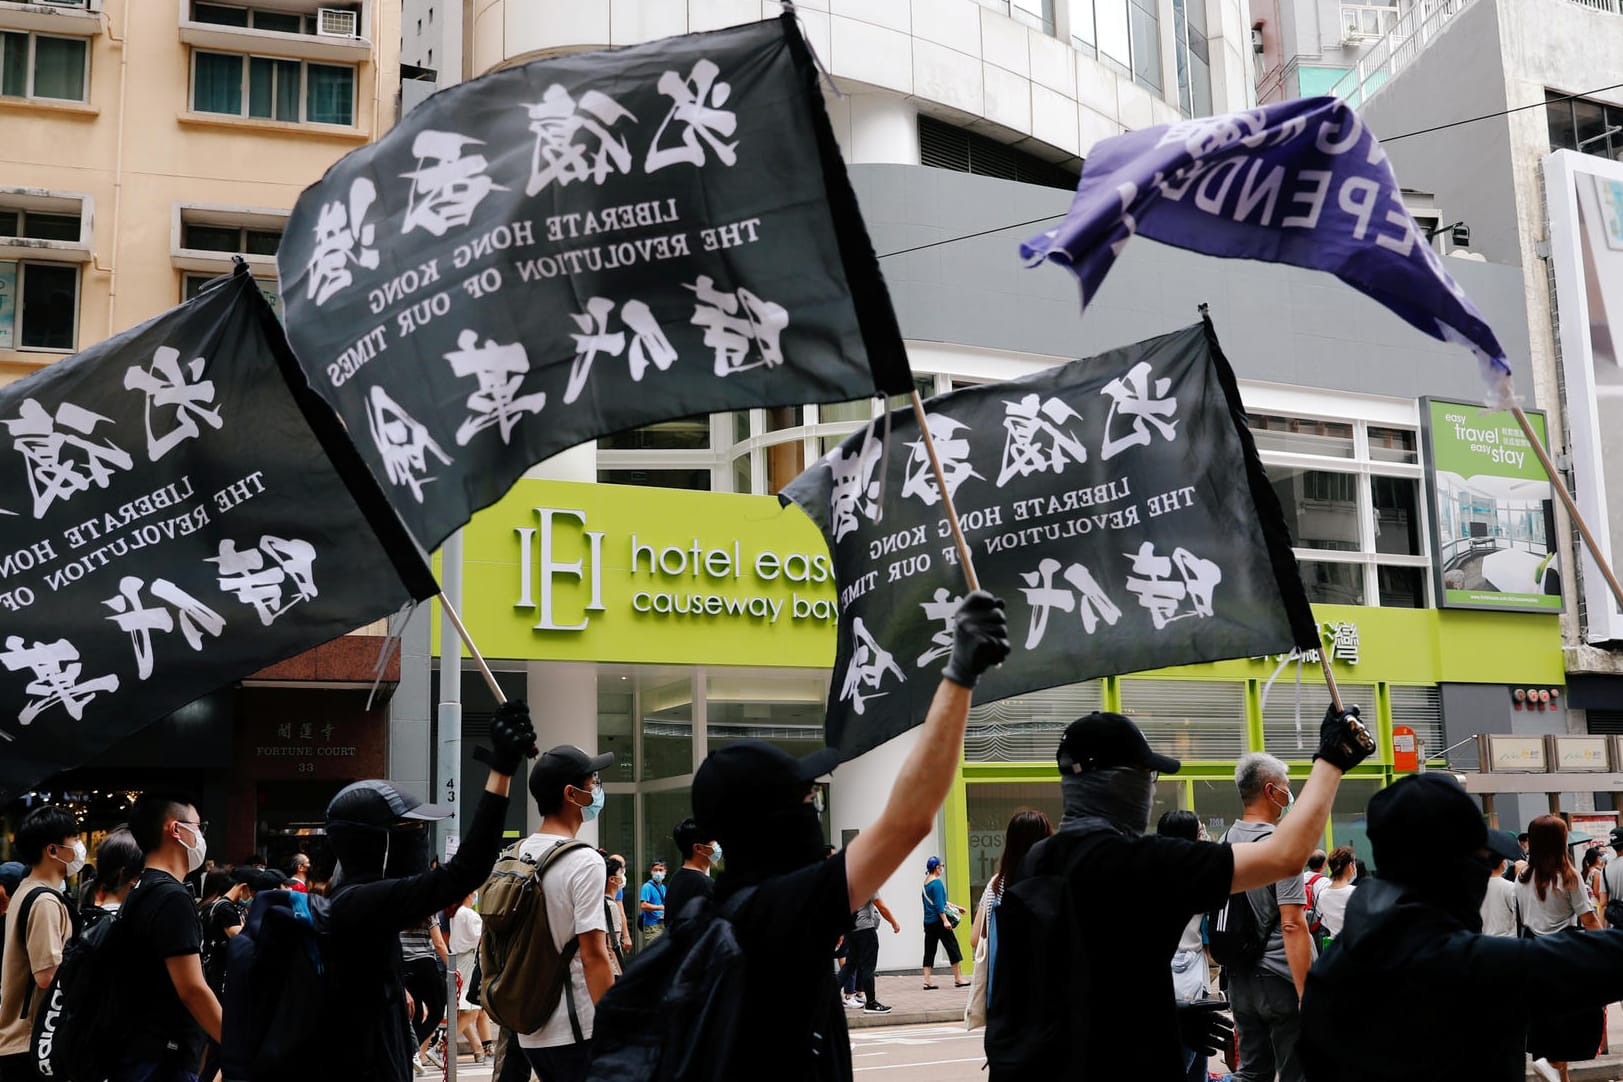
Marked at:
<point>965,560</point>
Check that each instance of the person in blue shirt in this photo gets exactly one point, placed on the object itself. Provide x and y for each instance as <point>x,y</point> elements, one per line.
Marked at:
<point>652,917</point>
<point>940,918</point>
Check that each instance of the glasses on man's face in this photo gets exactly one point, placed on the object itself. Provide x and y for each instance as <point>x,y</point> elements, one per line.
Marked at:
<point>199,825</point>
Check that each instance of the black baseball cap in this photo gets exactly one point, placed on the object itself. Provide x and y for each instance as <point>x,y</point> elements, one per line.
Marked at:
<point>1103,740</point>
<point>1617,839</point>
<point>1503,844</point>
<point>740,779</point>
<point>379,804</point>
<point>258,879</point>
<point>1423,818</point>
<point>565,765</point>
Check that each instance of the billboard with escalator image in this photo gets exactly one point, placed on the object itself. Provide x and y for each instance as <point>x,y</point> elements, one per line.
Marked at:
<point>1492,518</point>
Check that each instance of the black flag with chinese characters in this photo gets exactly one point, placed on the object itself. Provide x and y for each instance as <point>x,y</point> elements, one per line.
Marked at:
<point>579,246</point>
<point>1116,504</point>
<point>174,518</point>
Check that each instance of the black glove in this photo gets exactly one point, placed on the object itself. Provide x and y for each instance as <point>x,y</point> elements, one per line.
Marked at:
<point>1343,740</point>
<point>980,638</point>
<point>1203,1027</point>
<point>512,737</point>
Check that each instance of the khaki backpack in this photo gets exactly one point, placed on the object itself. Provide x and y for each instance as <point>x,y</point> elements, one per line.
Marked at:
<point>523,973</point>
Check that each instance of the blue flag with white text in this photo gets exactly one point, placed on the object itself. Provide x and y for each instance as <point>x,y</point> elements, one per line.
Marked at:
<point>1302,182</point>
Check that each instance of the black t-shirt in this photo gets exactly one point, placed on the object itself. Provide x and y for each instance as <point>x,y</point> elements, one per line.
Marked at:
<point>157,922</point>
<point>1136,896</point>
<point>793,1028</point>
<point>686,885</point>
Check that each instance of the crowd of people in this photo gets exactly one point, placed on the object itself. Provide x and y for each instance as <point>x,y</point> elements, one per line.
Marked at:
<point>734,973</point>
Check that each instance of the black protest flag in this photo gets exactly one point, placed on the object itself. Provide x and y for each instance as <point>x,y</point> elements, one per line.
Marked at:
<point>175,516</point>
<point>579,246</point>
<point>1116,504</point>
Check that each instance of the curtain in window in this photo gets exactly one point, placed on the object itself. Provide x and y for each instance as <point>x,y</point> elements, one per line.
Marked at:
<point>273,89</point>
<point>217,86</point>
<point>59,68</point>
<point>14,65</point>
<point>331,96</point>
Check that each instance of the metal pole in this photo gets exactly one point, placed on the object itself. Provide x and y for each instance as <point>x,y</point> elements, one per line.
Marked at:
<point>964,557</point>
<point>1330,682</point>
<point>449,766</point>
<point>1568,502</point>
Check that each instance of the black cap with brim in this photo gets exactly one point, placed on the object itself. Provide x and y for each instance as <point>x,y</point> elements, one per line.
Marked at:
<point>379,803</point>
<point>259,879</point>
<point>749,774</point>
<point>1103,740</point>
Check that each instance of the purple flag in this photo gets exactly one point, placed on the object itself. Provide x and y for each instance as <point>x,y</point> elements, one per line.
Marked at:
<point>1300,182</point>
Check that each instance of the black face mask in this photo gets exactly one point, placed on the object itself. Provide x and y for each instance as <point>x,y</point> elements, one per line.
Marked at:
<point>408,853</point>
<point>776,843</point>
<point>1120,795</point>
<point>1456,886</point>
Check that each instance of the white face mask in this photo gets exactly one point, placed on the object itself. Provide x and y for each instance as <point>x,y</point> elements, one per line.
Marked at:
<point>73,867</point>
<point>194,854</point>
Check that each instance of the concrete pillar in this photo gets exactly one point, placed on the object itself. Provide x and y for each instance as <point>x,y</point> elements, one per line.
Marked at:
<point>859,793</point>
<point>563,701</point>
<point>411,734</point>
<point>884,129</point>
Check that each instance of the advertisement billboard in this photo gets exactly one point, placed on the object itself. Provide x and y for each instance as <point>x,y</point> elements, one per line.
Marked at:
<point>1585,196</point>
<point>1493,527</point>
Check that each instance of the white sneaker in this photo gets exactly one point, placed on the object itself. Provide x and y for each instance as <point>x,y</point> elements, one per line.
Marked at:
<point>1550,1074</point>
<point>851,1002</point>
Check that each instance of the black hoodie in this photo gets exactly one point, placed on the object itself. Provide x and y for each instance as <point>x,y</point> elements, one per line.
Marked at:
<point>1411,991</point>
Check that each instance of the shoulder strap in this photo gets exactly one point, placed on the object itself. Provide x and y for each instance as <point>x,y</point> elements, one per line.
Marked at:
<point>559,848</point>
<point>23,911</point>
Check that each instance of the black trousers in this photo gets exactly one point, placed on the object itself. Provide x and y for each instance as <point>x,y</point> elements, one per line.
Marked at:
<point>940,933</point>
<point>861,960</point>
<point>425,980</point>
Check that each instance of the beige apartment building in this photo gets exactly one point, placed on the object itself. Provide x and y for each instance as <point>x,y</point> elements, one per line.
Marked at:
<point>143,143</point>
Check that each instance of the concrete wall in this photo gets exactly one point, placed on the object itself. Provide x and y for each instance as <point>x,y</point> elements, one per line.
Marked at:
<point>1469,709</point>
<point>1277,323</point>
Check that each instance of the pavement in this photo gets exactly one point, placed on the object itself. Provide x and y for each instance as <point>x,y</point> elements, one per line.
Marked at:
<point>910,1004</point>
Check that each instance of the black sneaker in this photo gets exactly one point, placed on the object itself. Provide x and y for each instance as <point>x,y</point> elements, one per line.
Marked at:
<point>876,1008</point>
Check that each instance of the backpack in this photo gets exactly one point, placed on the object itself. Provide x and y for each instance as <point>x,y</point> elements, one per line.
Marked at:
<point>274,993</point>
<point>1035,1011</point>
<point>216,947</point>
<point>1233,933</point>
<point>1614,899</point>
<point>1310,912</point>
<point>19,934</point>
<point>672,1015</point>
<point>523,974</point>
<point>77,1029</point>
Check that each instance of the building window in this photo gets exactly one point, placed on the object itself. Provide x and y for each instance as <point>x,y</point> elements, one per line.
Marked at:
<point>1352,500</point>
<point>37,225</point>
<point>1038,14</point>
<point>695,480</point>
<point>270,88</point>
<point>192,285</point>
<point>1590,127</point>
<point>37,66</point>
<point>1362,22</point>
<point>687,434</point>
<point>230,238</point>
<point>281,22</point>
<point>47,312</point>
<point>1193,56</point>
<point>946,147</point>
<point>1121,34</point>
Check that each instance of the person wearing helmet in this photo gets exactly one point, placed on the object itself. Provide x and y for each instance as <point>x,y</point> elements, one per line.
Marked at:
<point>384,885</point>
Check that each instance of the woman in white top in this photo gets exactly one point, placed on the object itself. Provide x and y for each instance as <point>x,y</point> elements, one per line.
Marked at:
<point>463,942</point>
<point>1551,898</point>
<point>1330,900</point>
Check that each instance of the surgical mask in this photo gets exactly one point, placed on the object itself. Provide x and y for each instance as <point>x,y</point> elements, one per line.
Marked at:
<point>194,853</point>
<point>592,810</point>
<point>1290,802</point>
<point>715,852</point>
<point>71,868</point>
<point>658,877</point>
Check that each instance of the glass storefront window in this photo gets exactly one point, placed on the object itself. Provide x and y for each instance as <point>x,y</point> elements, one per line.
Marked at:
<point>835,412</point>
<point>779,418</point>
<point>990,806</point>
<point>1402,587</point>
<point>796,727</point>
<point>1347,816</point>
<point>1397,515</point>
<point>667,728</point>
<point>661,812</point>
<point>1392,445</point>
<point>743,475</point>
<point>696,480</point>
<point>1188,719</point>
<point>1332,584</point>
<point>1218,805</point>
<point>687,434</point>
<point>1302,435</point>
<point>616,704</point>
<point>617,833</point>
<point>1321,507</point>
<point>784,462</point>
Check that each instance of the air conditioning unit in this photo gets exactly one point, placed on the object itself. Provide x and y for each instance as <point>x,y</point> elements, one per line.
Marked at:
<point>1256,40</point>
<point>337,23</point>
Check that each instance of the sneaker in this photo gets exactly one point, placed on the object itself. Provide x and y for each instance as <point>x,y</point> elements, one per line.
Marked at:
<point>417,1065</point>
<point>432,1055</point>
<point>859,997</point>
<point>1550,1074</point>
<point>851,1002</point>
<point>876,1007</point>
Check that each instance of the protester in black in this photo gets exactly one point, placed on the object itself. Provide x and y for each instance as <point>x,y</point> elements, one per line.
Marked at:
<point>118,862</point>
<point>692,880</point>
<point>1126,1021</point>
<point>169,1011</point>
<point>1412,945</point>
<point>384,886</point>
<point>765,807</point>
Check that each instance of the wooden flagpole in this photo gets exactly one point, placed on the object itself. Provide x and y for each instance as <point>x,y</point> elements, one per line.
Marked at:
<point>964,557</point>
<point>479,659</point>
<point>1568,502</point>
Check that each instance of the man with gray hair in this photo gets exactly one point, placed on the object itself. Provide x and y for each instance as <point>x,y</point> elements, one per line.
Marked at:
<point>1266,994</point>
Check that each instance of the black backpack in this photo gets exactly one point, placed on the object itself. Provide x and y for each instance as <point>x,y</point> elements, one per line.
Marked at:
<point>276,979</point>
<point>78,1027</point>
<point>19,935</point>
<point>1233,933</point>
<point>673,1013</point>
<point>1036,1013</point>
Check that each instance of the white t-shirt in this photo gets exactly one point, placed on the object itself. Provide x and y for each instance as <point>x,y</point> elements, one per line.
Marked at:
<point>466,928</point>
<point>1559,908</point>
<point>573,889</point>
<point>1331,902</point>
<point>1499,908</point>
